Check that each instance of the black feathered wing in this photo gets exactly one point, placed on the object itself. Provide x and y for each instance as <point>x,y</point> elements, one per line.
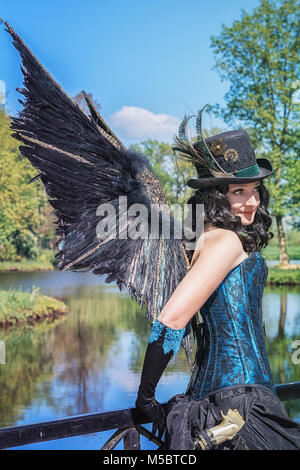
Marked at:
<point>83,165</point>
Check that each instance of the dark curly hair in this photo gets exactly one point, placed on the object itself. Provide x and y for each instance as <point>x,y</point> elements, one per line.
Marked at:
<point>217,211</point>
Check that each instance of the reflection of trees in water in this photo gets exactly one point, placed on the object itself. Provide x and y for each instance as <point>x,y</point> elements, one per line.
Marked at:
<point>65,367</point>
<point>27,363</point>
<point>82,346</point>
<point>74,354</point>
<point>280,356</point>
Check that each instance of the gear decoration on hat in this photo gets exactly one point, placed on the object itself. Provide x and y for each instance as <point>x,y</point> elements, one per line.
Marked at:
<point>231,154</point>
<point>218,147</point>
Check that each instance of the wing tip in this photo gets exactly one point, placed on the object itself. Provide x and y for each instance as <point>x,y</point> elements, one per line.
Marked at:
<point>10,30</point>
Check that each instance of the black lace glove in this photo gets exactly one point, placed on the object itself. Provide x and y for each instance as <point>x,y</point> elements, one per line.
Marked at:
<point>163,343</point>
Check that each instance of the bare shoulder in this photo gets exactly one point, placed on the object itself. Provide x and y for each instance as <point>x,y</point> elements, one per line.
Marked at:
<point>220,244</point>
<point>223,235</point>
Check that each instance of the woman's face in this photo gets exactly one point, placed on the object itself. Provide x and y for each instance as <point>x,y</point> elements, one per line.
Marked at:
<point>244,199</point>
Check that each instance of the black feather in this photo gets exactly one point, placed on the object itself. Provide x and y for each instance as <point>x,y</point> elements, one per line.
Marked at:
<point>82,165</point>
<point>35,178</point>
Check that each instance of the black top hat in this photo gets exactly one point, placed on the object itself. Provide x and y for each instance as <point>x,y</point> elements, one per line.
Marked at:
<point>232,153</point>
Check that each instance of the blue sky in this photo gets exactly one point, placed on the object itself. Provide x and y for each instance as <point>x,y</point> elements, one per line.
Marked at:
<point>146,62</point>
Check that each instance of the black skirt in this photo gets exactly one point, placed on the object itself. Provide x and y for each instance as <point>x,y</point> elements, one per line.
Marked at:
<point>267,425</point>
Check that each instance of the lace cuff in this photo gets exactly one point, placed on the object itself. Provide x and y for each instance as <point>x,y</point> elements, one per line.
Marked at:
<point>172,338</point>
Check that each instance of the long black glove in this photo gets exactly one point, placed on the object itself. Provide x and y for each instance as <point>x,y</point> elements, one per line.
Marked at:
<point>163,343</point>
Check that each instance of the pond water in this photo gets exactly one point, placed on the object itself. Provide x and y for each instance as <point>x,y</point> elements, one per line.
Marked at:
<point>91,360</point>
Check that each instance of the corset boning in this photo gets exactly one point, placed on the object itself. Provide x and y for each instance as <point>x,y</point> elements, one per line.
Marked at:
<point>234,350</point>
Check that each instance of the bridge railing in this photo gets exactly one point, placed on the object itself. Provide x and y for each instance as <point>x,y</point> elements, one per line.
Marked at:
<point>127,424</point>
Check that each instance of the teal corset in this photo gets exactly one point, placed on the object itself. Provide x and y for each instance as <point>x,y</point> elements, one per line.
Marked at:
<point>233,348</point>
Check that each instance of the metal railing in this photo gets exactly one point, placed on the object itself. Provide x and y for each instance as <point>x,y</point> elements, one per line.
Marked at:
<point>127,423</point>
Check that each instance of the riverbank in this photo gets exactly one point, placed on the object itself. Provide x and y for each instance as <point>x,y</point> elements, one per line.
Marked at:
<point>278,275</point>
<point>44,262</point>
<point>284,276</point>
<point>271,253</point>
<point>18,307</point>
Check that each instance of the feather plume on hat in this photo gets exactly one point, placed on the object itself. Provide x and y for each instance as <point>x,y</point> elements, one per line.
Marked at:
<point>197,153</point>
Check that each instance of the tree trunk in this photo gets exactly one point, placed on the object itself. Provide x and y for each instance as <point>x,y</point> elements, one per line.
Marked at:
<point>283,256</point>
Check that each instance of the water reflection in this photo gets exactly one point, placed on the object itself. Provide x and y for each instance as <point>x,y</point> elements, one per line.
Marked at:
<point>282,316</point>
<point>56,283</point>
<point>91,360</point>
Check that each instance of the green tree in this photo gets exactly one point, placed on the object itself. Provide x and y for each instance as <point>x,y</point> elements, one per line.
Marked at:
<point>171,171</point>
<point>259,56</point>
<point>293,201</point>
<point>21,205</point>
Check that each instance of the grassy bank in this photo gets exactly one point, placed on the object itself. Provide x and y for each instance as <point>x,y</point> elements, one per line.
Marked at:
<point>18,307</point>
<point>272,252</point>
<point>44,262</point>
<point>283,276</point>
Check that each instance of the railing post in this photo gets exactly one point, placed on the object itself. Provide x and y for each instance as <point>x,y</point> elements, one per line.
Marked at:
<point>114,439</point>
<point>132,440</point>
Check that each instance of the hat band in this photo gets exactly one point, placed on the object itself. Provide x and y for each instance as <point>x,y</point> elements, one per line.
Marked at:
<point>243,173</point>
<point>250,171</point>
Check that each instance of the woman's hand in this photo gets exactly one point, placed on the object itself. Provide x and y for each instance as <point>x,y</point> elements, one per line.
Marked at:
<point>155,412</point>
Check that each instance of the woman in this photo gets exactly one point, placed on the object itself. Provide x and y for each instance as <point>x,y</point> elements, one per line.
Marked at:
<point>230,401</point>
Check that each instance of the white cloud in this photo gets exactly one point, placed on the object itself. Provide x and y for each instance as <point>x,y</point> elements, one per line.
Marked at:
<point>138,123</point>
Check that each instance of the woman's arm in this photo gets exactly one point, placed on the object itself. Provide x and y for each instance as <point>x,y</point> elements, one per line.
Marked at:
<point>220,253</point>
